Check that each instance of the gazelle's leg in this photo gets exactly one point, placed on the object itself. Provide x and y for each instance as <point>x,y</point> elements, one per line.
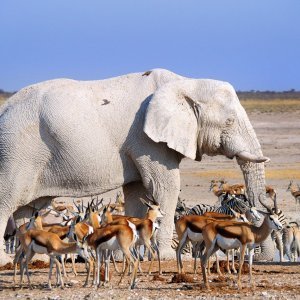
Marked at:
<point>115,264</point>
<point>242,256</point>
<point>208,266</point>
<point>107,261</point>
<point>50,273</point>
<point>29,255</point>
<point>228,264</point>
<point>18,257</point>
<point>209,251</point>
<point>233,262</point>
<point>155,247</point>
<point>127,258</point>
<point>183,241</point>
<point>130,260</point>
<point>218,264</point>
<point>62,258</point>
<point>99,263</point>
<point>58,270</point>
<point>251,253</point>
<point>73,264</point>
<point>152,253</point>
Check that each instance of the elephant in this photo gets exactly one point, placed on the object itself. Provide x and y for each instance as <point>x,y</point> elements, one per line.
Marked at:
<point>82,138</point>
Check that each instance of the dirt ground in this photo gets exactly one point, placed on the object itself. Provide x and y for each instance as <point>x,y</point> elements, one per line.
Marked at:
<point>273,281</point>
<point>278,129</point>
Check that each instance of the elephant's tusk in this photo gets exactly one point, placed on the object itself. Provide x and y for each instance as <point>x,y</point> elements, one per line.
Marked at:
<point>244,155</point>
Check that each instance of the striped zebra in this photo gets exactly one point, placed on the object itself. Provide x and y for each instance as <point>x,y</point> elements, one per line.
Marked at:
<point>228,203</point>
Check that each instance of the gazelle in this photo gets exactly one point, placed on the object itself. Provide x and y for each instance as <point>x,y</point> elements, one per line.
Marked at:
<point>291,241</point>
<point>230,235</point>
<point>110,238</point>
<point>236,189</point>
<point>42,242</point>
<point>190,227</point>
<point>146,228</point>
<point>294,191</point>
<point>270,192</point>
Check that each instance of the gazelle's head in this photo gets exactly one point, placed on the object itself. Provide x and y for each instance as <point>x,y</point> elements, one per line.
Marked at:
<point>154,210</point>
<point>82,247</point>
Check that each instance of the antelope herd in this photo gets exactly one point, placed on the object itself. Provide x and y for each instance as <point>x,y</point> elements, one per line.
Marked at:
<point>95,232</point>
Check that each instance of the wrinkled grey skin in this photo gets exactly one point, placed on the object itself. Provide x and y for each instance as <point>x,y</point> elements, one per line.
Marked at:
<point>76,138</point>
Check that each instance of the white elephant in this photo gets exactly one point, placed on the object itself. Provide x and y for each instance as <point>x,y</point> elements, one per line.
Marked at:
<point>77,138</point>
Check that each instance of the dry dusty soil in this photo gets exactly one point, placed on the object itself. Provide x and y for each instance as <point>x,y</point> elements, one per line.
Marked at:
<point>278,128</point>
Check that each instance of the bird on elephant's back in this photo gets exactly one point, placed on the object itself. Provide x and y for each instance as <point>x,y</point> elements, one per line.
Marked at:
<point>78,138</point>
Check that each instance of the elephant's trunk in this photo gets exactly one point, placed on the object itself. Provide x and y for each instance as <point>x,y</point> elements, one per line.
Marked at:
<point>254,175</point>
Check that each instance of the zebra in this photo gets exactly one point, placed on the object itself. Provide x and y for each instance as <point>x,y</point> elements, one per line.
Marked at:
<point>228,203</point>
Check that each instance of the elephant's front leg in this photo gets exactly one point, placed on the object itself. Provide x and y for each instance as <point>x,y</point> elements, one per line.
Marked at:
<point>163,183</point>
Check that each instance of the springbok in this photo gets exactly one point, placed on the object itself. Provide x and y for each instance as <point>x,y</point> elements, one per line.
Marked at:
<point>235,189</point>
<point>42,242</point>
<point>230,235</point>
<point>106,239</point>
<point>294,191</point>
<point>146,228</point>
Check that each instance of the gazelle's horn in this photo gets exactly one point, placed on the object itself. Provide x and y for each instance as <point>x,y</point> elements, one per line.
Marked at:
<point>145,202</point>
<point>269,209</point>
<point>151,199</point>
<point>275,204</point>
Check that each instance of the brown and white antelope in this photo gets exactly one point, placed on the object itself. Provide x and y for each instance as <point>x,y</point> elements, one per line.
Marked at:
<point>235,189</point>
<point>106,239</point>
<point>42,242</point>
<point>190,227</point>
<point>230,235</point>
<point>294,191</point>
<point>146,228</point>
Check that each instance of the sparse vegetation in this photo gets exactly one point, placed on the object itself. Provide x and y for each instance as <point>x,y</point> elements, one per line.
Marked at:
<point>237,175</point>
<point>269,106</point>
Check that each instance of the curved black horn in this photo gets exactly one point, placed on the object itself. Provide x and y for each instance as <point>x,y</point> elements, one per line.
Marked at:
<point>275,204</point>
<point>269,209</point>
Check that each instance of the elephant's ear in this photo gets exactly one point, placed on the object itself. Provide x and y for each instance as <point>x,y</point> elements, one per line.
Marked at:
<point>172,118</point>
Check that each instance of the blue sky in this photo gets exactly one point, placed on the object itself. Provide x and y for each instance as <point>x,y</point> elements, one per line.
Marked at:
<point>252,44</point>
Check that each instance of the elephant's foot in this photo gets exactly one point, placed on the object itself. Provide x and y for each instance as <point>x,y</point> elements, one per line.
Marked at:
<point>5,258</point>
<point>167,253</point>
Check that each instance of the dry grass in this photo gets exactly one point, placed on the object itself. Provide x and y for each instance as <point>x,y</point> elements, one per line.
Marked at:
<point>284,174</point>
<point>274,105</point>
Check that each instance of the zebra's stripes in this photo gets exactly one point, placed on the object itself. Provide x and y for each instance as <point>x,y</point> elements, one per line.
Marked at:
<point>229,202</point>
